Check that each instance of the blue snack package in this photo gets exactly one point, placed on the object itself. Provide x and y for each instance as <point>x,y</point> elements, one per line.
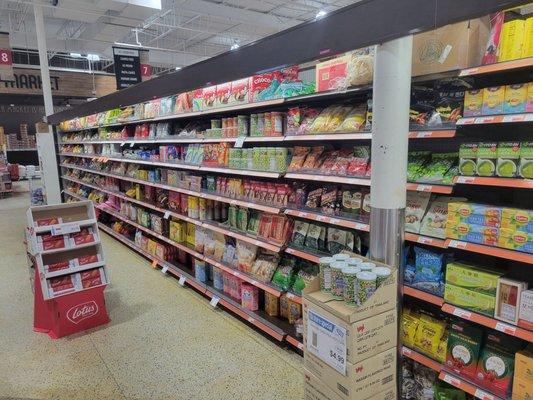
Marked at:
<point>428,265</point>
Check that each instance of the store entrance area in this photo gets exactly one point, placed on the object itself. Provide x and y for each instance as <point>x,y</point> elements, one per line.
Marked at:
<point>164,341</point>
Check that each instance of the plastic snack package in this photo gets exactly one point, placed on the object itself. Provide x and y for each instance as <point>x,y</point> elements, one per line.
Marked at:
<point>246,254</point>
<point>298,158</point>
<point>415,209</point>
<point>312,161</point>
<point>354,120</point>
<point>283,278</point>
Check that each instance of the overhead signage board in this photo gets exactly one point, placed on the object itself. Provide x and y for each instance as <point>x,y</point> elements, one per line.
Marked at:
<point>127,67</point>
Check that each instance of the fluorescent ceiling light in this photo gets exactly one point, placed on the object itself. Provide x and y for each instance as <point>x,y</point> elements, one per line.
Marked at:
<point>234,46</point>
<point>93,57</point>
<point>177,68</point>
<point>75,55</point>
<point>321,14</point>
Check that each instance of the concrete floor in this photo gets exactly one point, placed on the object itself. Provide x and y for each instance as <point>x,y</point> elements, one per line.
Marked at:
<point>163,341</point>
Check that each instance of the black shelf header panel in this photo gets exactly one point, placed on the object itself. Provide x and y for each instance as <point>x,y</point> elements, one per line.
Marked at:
<point>364,23</point>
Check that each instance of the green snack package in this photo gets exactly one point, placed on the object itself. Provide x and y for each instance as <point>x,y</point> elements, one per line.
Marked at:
<point>526,160</point>
<point>439,165</point>
<point>467,159</point>
<point>508,157</point>
<point>486,158</point>
<point>242,219</point>
<point>416,164</point>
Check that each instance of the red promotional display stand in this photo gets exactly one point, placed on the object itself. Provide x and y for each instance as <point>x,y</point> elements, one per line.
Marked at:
<point>70,274</point>
<point>69,313</point>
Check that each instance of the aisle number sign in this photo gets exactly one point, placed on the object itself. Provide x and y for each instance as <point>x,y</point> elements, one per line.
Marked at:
<point>6,58</point>
<point>327,341</point>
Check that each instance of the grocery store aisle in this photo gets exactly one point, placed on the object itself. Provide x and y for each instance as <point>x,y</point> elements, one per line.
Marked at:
<point>163,342</point>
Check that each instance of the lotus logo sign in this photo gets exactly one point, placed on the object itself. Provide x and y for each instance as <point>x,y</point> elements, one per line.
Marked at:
<point>82,311</point>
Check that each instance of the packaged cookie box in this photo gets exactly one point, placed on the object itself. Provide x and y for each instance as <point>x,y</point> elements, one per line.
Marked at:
<point>472,233</point>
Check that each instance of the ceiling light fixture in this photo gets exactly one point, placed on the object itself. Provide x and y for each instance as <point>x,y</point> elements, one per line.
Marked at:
<point>177,68</point>
<point>320,14</point>
<point>75,55</point>
<point>234,46</point>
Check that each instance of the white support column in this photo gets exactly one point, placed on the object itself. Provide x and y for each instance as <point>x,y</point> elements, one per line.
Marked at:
<point>45,141</point>
<point>390,139</point>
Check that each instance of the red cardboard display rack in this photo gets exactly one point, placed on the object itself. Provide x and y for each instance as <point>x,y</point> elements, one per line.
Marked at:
<point>82,306</point>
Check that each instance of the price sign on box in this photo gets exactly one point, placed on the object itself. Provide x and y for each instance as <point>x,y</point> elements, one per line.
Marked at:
<point>327,341</point>
<point>65,229</point>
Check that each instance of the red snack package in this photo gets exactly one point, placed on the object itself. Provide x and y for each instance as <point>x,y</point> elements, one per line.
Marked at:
<point>61,283</point>
<point>58,266</point>
<point>54,244</point>
<point>48,221</point>
<point>90,259</point>
<point>83,239</point>
<point>91,282</point>
<point>90,274</point>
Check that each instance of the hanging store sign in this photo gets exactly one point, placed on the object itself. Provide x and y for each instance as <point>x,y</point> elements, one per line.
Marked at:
<point>68,84</point>
<point>127,67</point>
<point>6,58</point>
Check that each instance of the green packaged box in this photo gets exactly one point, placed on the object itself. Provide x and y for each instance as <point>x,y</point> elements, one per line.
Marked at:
<point>486,158</point>
<point>508,158</point>
<point>465,298</point>
<point>467,159</point>
<point>473,278</point>
<point>272,160</point>
<point>281,158</point>
<point>462,351</point>
<point>526,160</point>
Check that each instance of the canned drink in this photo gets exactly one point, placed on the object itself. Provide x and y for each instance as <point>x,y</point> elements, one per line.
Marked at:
<point>366,285</point>
<point>354,261</point>
<point>341,257</point>
<point>325,273</point>
<point>337,280</point>
<point>349,275</point>
<point>382,274</point>
<point>367,266</point>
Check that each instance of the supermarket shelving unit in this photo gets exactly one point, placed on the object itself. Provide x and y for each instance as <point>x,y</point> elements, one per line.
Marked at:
<point>274,328</point>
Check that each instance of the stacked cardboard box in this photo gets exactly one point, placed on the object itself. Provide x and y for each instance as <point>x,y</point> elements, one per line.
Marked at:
<point>523,374</point>
<point>350,353</point>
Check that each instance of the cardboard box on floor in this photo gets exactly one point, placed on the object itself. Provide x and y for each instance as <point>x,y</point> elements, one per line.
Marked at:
<point>362,380</point>
<point>364,338</point>
<point>451,47</point>
<point>315,389</point>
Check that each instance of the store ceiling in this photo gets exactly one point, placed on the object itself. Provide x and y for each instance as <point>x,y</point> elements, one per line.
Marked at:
<point>177,32</point>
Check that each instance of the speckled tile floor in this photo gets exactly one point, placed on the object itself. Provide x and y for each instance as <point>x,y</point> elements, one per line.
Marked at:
<point>163,341</point>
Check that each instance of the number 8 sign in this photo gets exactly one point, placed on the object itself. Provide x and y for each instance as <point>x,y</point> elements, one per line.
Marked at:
<point>5,57</point>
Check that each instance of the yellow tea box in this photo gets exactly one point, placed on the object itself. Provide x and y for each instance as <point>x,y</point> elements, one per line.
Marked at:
<point>515,98</point>
<point>473,103</point>
<point>517,219</point>
<point>529,103</point>
<point>516,240</point>
<point>472,278</point>
<point>493,99</point>
<point>527,47</point>
<point>512,39</point>
<point>476,301</point>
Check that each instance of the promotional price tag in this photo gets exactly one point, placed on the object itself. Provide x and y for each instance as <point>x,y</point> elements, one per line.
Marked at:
<point>167,214</point>
<point>505,328</point>
<point>462,313</point>
<point>239,142</point>
<point>122,144</point>
<point>465,179</point>
<point>65,229</point>
<point>132,144</point>
<point>327,341</point>
<point>481,394</point>
<point>181,281</point>
<point>164,270</point>
<point>214,301</point>
<point>451,380</point>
